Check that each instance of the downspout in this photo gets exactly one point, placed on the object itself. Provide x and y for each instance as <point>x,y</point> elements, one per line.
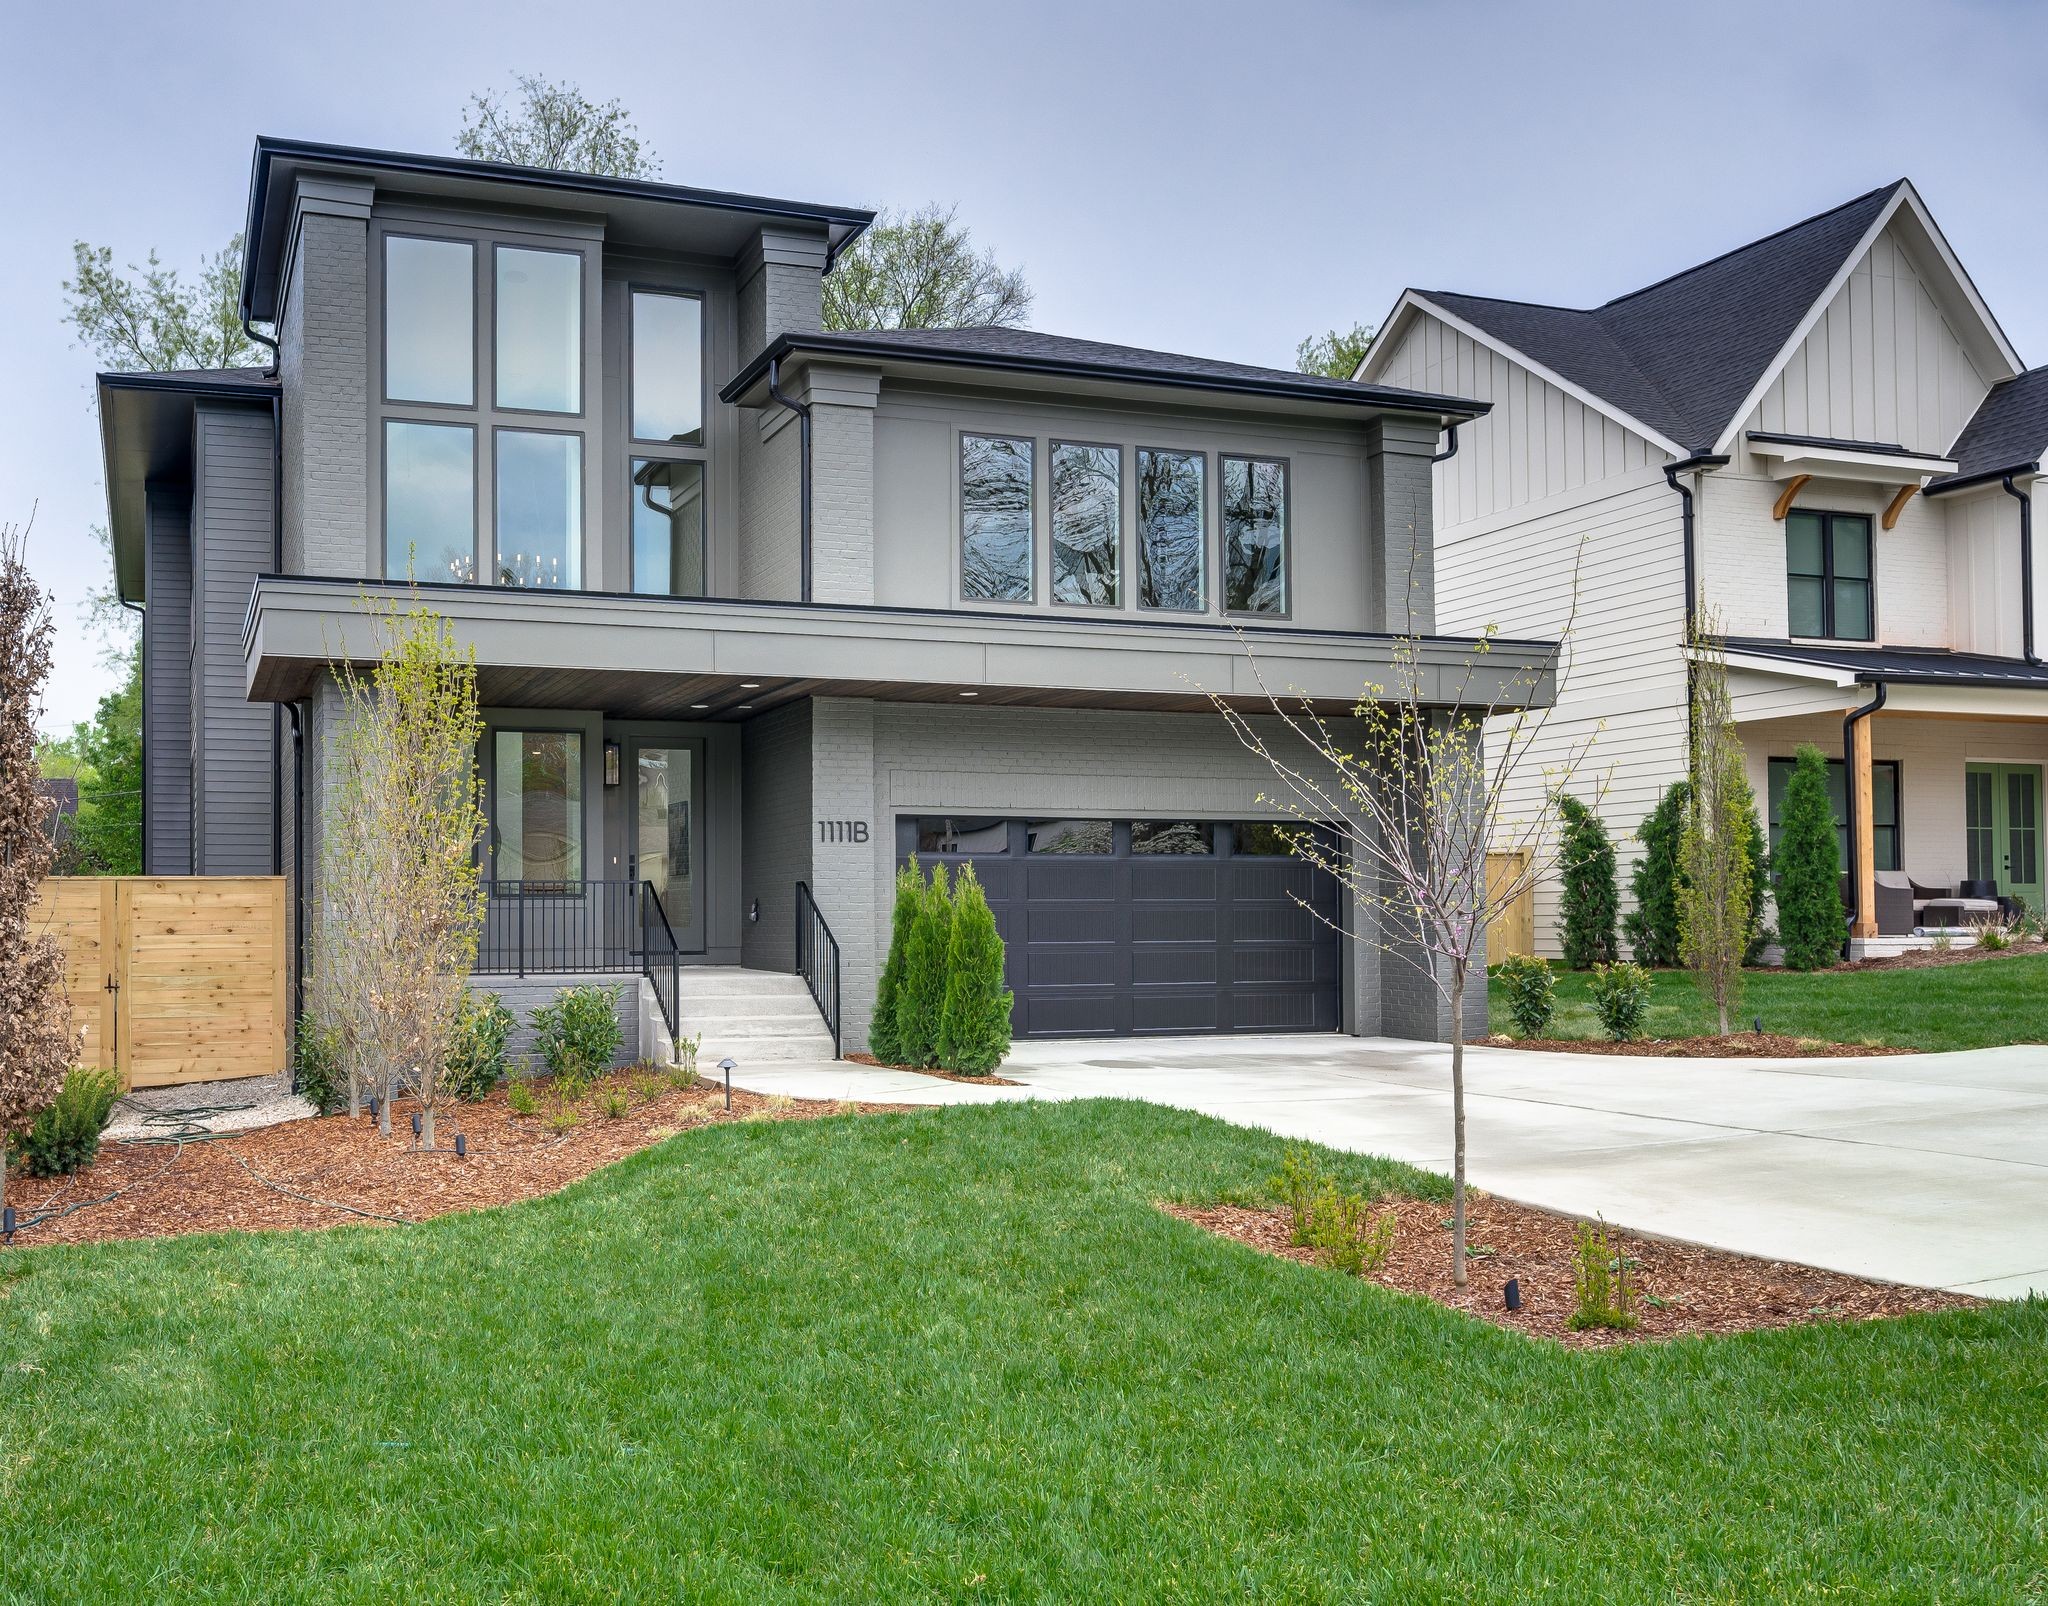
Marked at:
<point>1698,460</point>
<point>298,863</point>
<point>2026,502</point>
<point>1450,445</point>
<point>803,437</point>
<point>249,329</point>
<point>1856,717</point>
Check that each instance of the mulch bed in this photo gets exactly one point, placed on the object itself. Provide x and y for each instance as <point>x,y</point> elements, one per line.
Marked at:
<point>1736,1045</point>
<point>943,1076</point>
<point>214,1186</point>
<point>1699,1290</point>
<point>1929,958</point>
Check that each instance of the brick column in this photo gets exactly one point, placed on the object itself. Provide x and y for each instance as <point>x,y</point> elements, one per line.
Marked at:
<point>324,369</point>
<point>846,871</point>
<point>1399,531</point>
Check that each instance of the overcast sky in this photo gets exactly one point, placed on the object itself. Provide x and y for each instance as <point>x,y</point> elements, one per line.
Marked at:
<point>1220,179</point>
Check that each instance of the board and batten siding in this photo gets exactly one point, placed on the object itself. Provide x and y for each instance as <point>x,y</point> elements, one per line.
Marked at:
<point>232,738</point>
<point>167,683</point>
<point>1603,570</point>
<point>1882,364</point>
<point>1537,442</point>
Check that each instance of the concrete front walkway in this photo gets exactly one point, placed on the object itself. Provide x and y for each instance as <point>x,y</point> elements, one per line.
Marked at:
<point>1929,1169</point>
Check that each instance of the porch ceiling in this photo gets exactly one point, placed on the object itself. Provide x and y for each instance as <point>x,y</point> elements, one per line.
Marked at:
<point>671,658</point>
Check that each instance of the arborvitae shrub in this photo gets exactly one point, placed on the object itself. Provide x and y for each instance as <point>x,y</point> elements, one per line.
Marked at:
<point>1589,899</point>
<point>921,995</point>
<point>1652,925</point>
<point>1759,884</point>
<point>974,1028</point>
<point>1811,925</point>
<point>884,1041</point>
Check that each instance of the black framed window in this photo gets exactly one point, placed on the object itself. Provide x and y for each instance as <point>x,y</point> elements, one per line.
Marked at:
<point>1069,836</point>
<point>668,527</point>
<point>1827,575</point>
<point>668,367</point>
<point>1175,838</point>
<point>1886,845</point>
<point>537,805</point>
<point>1254,534</point>
<point>962,833</point>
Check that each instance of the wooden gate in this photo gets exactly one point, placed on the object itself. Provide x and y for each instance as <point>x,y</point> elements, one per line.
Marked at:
<point>1514,929</point>
<point>174,978</point>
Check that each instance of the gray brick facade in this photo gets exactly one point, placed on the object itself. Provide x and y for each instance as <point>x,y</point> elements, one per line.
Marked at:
<point>1399,534</point>
<point>323,362</point>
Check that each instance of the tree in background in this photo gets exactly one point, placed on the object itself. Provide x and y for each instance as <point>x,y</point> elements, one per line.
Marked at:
<point>974,1025</point>
<point>1811,924</point>
<point>919,270</point>
<point>1759,877</point>
<point>1717,849</point>
<point>401,902</point>
<point>104,755</point>
<point>921,1001</point>
<point>535,123</point>
<point>36,1044</point>
<point>884,1041</point>
<point>1588,900</point>
<point>1652,925</point>
<point>1336,353</point>
<point>149,319</point>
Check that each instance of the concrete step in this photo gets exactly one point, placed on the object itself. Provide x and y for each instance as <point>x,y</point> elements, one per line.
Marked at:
<point>753,1026</point>
<point>705,981</point>
<point>810,1046</point>
<point>703,1012</point>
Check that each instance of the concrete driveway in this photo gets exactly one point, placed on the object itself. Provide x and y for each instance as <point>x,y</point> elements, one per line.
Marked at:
<point>1929,1169</point>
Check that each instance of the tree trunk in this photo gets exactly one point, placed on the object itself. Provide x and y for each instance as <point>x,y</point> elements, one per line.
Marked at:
<point>427,1127</point>
<point>1458,1127</point>
<point>384,1082</point>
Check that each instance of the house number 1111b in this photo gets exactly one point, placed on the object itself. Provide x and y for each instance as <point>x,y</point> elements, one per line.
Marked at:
<point>842,830</point>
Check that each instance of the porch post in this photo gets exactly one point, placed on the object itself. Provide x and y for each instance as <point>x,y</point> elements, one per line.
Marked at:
<point>1863,838</point>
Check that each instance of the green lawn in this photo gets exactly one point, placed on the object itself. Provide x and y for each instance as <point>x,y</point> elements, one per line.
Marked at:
<point>1954,1006</point>
<point>957,1354</point>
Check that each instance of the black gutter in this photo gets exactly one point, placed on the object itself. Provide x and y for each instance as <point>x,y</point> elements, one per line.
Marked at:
<point>298,864</point>
<point>1450,446</point>
<point>803,504</point>
<point>1982,476</point>
<point>1868,448</point>
<point>2026,502</point>
<point>1698,460</point>
<point>270,150</point>
<point>1856,717</point>
<point>1280,386</point>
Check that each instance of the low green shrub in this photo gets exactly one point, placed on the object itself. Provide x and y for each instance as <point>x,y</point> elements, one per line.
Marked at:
<point>1335,1222</point>
<point>1621,998</point>
<point>318,1075</point>
<point>476,1058</point>
<point>578,1035</point>
<point>646,1087</point>
<point>1531,992</point>
<point>1605,1294</point>
<point>684,1076</point>
<point>1993,938</point>
<point>66,1135</point>
<point>520,1097</point>
<point>615,1104</point>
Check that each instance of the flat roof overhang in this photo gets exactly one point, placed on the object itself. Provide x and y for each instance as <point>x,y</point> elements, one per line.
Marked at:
<point>711,659</point>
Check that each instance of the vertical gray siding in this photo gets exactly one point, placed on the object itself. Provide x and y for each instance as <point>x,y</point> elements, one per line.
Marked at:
<point>775,844</point>
<point>233,493</point>
<point>167,684</point>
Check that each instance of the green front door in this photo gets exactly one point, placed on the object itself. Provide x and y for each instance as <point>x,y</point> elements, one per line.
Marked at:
<point>2002,821</point>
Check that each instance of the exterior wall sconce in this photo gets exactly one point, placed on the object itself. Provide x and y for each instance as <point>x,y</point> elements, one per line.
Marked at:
<point>611,763</point>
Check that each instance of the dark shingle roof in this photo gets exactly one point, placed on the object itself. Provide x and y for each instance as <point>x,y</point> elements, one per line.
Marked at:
<point>255,380</point>
<point>1682,354</point>
<point>2010,428</point>
<point>1930,666</point>
<point>1029,351</point>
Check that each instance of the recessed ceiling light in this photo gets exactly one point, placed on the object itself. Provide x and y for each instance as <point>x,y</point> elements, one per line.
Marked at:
<point>970,694</point>
<point>750,685</point>
<point>700,707</point>
<point>746,708</point>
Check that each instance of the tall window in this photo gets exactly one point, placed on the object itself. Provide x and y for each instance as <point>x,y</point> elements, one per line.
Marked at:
<point>1087,524</point>
<point>995,518</point>
<point>539,356</point>
<point>537,805</point>
<point>540,509</point>
<point>1173,535</point>
<point>429,321</point>
<point>667,471</point>
<point>429,501</point>
<point>1254,535</point>
<point>1884,808</point>
<point>1827,575</point>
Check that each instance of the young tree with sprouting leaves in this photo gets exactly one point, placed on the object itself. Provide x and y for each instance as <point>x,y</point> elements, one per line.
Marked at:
<point>36,1042</point>
<point>401,902</point>
<point>1717,847</point>
<point>1402,803</point>
<point>537,123</point>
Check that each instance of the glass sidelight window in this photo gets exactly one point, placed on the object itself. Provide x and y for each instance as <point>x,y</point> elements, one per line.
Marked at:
<point>668,528</point>
<point>537,805</point>
<point>995,518</point>
<point>1173,535</point>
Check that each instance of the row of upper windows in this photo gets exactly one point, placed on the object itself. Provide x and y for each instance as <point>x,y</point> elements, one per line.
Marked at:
<point>432,349</point>
<point>1084,525</point>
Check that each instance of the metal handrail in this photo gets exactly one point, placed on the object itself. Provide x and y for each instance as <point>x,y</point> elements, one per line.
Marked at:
<point>814,945</point>
<point>670,1001</point>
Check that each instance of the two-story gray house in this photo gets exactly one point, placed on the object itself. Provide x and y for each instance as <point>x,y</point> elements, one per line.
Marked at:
<point>760,610</point>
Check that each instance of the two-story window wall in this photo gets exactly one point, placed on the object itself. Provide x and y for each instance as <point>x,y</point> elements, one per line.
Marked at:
<point>484,362</point>
<point>665,412</point>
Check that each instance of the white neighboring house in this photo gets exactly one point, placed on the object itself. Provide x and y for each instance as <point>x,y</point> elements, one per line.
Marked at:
<point>1859,447</point>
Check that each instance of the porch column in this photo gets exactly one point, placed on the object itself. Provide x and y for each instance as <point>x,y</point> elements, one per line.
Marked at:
<point>1863,838</point>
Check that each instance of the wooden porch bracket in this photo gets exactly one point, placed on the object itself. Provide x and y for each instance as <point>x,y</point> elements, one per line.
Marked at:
<point>1898,505</point>
<point>1793,487</point>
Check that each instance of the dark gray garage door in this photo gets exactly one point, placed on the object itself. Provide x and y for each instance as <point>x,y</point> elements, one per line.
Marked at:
<point>1119,927</point>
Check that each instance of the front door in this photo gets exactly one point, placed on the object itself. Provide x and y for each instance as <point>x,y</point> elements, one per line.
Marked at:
<point>2002,820</point>
<point>661,837</point>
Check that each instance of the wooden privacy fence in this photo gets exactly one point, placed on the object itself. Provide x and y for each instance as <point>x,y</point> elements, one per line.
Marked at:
<point>1514,929</point>
<point>174,978</point>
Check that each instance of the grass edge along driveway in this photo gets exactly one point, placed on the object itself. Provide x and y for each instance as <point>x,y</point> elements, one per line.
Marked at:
<point>956,1354</point>
<point>1981,1004</point>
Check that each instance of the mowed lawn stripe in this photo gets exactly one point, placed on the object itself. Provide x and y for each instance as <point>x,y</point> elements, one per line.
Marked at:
<point>957,1353</point>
